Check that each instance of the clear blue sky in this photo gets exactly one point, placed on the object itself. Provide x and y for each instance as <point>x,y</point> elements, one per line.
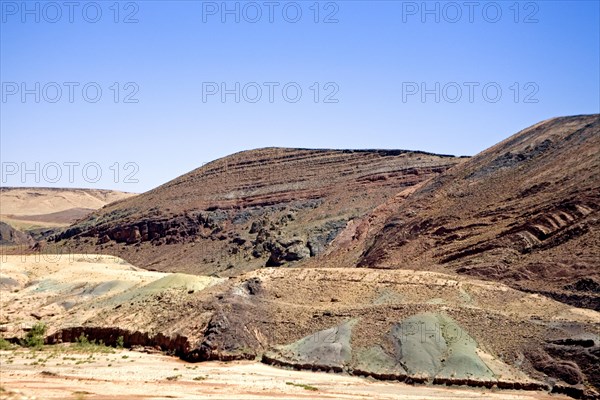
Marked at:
<point>375,57</point>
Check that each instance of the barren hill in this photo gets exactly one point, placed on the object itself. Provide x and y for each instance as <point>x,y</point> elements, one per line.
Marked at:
<point>33,210</point>
<point>524,212</point>
<point>258,208</point>
<point>24,202</point>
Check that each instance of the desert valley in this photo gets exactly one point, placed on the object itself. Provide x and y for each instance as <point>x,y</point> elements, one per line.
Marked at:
<point>308,273</point>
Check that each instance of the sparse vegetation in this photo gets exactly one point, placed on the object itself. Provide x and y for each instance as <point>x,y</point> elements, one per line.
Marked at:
<point>174,377</point>
<point>5,344</point>
<point>83,343</point>
<point>201,378</point>
<point>35,337</point>
<point>303,386</point>
<point>82,340</point>
<point>120,342</point>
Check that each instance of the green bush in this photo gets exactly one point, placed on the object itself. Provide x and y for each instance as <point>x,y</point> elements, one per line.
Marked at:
<point>35,337</point>
<point>301,385</point>
<point>5,344</point>
<point>83,343</point>
<point>120,342</point>
<point>82,340</point>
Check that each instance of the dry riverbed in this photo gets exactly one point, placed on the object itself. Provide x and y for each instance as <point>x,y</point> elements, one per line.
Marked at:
<point>66,372</point>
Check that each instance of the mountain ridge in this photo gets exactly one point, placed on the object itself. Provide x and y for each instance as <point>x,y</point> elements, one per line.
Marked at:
<point>254,208</point>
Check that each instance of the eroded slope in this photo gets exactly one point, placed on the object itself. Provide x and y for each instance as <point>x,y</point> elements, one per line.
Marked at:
<point>524,212</point>
<point>253,209</point>
<point>405,325</point>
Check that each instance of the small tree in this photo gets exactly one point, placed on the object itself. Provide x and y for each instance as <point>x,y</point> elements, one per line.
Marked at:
<point>35,336</point>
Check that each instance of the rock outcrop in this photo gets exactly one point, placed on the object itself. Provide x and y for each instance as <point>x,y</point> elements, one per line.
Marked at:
<point>10,236</point>
<point>404,325</point>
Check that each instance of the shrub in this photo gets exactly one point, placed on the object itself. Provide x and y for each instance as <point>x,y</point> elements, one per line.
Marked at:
<point>35,337</point>
<point>5,344</point>
<point>83,340</point>
<point>303,386</point>
<point>83,343</point>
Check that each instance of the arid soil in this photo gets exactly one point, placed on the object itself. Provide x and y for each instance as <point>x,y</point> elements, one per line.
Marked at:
<point>133,375</point>
<point>401,325</point>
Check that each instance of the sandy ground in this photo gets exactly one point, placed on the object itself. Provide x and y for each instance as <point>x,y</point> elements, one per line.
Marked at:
<point>60,373</point>
<point>31,208</point>
<point>36,201</point>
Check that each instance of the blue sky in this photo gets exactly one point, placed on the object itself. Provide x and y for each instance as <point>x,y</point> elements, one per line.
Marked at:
<point>362,68</point>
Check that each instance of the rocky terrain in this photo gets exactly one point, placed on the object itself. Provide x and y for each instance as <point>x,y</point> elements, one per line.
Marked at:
<point>9,236</point>
<point>253,209</point>
<point>401,325</point>
<point>524,212</point>
<point>400,266</point>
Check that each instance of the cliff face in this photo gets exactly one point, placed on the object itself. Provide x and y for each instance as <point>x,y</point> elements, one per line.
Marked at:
<point>253,209</point>
<point>524,212</point>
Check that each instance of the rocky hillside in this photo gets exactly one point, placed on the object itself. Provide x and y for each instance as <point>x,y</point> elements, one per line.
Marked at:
<point>524,212</point>
<point>10,236</point>
<point>253,209</point>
